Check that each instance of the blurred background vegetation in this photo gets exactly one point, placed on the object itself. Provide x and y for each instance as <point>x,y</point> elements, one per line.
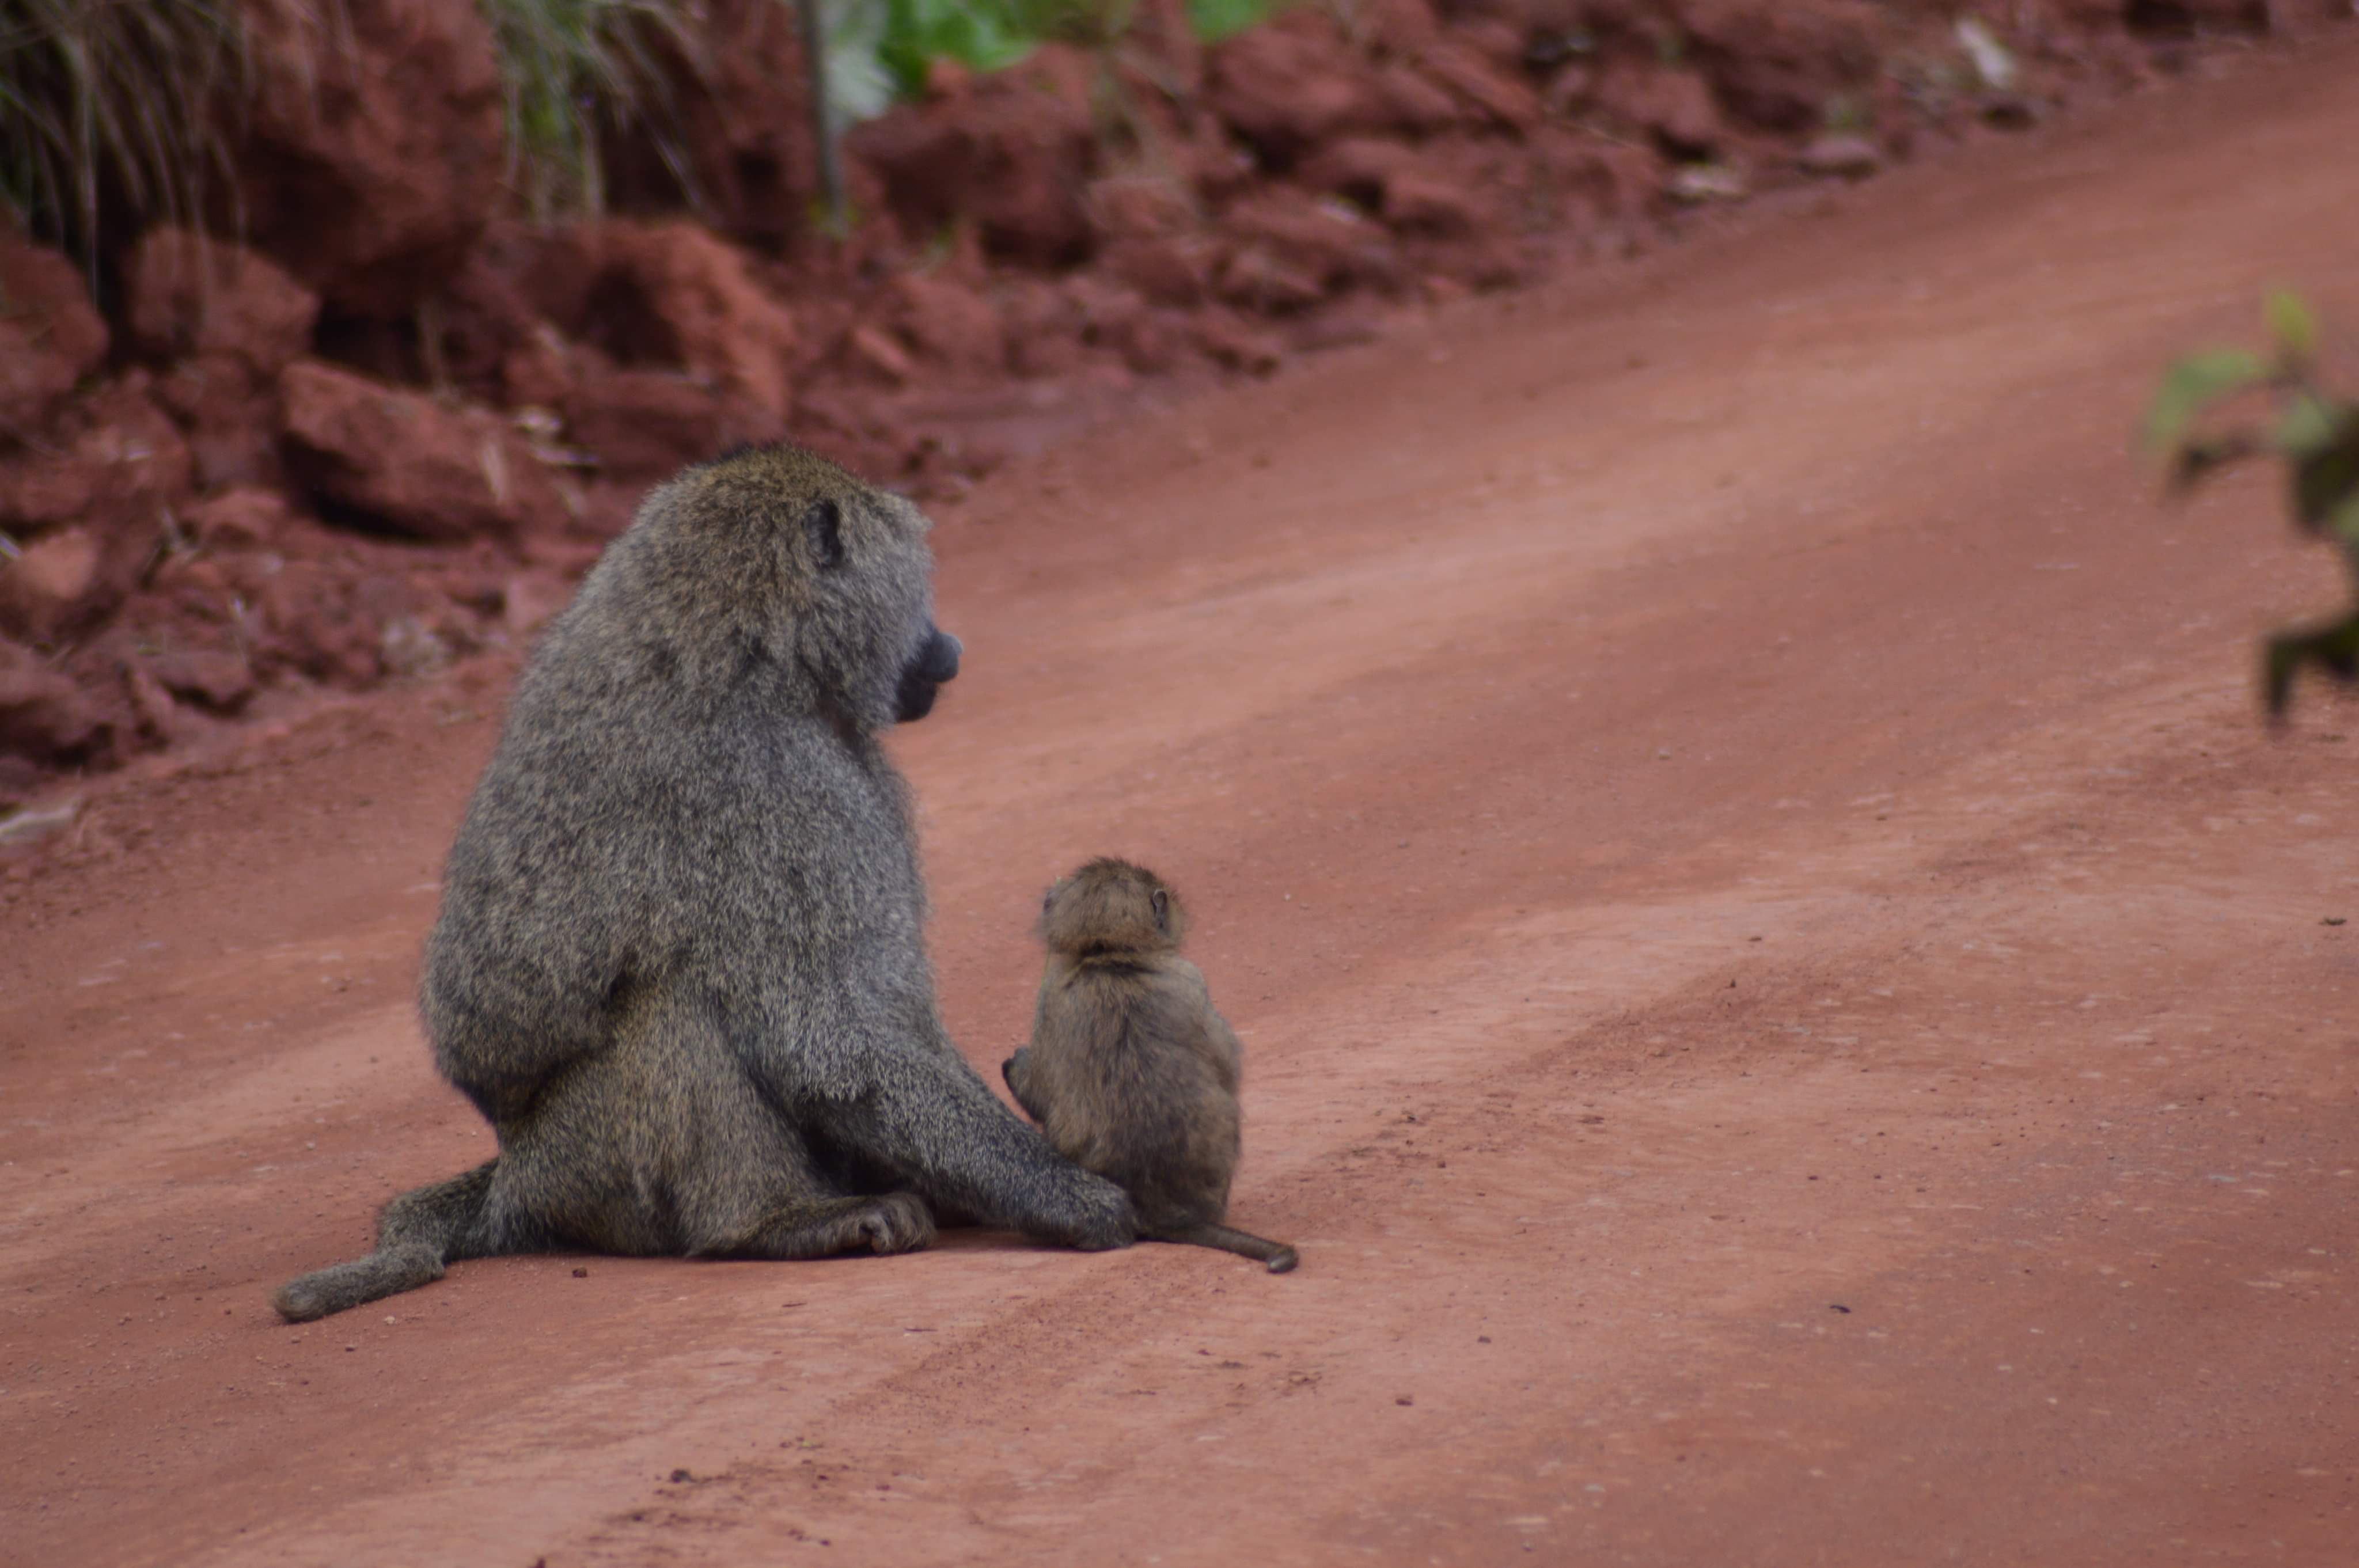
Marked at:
<point>114,112</point>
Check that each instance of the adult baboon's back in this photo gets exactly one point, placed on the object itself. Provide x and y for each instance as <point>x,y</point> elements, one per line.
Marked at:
<point>680,965</point>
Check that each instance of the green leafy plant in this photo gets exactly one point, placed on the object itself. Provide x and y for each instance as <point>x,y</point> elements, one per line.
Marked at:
<point>990,36</point>
<point>2315,432</point>
<point>1212,20</point>
<point>106,112</point>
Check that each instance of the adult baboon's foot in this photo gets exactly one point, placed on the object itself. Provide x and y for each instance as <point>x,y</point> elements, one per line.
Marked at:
<point>897,1222</point>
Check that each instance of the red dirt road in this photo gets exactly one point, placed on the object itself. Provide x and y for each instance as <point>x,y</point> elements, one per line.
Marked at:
<point>1784,982</point>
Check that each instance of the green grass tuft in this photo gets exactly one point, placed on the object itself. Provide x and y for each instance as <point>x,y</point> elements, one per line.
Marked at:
<point>106,113</point>
<point>579,70</point>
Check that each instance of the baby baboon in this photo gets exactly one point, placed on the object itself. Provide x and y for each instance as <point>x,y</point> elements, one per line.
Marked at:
<point>1131,1072</point>
<point>678,965</point>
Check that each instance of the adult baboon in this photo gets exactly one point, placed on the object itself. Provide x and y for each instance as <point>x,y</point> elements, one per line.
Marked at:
<point>678,965</point>
<point>1131,1072</point>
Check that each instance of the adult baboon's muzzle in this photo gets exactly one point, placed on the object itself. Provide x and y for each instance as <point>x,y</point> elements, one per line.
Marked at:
<point>937,662</point>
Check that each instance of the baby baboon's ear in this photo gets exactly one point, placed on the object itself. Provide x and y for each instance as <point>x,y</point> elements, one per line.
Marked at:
<point>1162,902</point>
<point>823,528</point>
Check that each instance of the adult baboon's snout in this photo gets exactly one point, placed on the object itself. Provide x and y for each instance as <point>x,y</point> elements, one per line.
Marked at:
<point>937,662</point>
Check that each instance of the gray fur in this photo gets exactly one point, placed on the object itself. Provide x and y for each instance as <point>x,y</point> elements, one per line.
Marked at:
<point>1131,1072</point>
<point>680,965</point>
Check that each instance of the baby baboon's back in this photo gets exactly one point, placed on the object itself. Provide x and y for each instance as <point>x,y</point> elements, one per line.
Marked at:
<point>1131,1072</point>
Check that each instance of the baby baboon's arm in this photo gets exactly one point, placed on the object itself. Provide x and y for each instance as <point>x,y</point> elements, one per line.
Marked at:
<point>1017,1071</point>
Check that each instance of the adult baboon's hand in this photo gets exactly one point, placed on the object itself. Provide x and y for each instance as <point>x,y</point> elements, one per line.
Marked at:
<point>1096,1217</point>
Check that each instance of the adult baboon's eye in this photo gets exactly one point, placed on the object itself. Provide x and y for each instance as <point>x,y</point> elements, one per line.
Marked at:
<point>824,527</point>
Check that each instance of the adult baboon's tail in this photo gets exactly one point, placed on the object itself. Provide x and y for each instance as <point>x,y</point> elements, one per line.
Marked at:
<point>417,1234</point>
<point>1277,1254</point>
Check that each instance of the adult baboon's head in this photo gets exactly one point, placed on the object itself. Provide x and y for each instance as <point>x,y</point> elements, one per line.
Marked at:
<point>773,557</point>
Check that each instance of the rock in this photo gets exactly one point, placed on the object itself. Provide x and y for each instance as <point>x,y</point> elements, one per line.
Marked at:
<point>673,296</point>
<point>482,323</point>
<point>117,470</point>
<point>227,417</point>
<point>158,718</point>
<point>1615,181</point>
<point>49,579</point>
<point>538,371</point>
<point>1775,66</point>
<point>402,462</point>
<point>63,582</point>
<point>1346,327</point>
<point>1162,39</point>
<point>113,458</point>
<point>1327,243</point>
<point>1422,204</point>
<point>230,321</point>
<point>645,425</point>
<point>1229,343</point>
<point>2009,110</point>
<point>1140,206</point>
<point>1411,104</point>
<point>872,349</point>
<point>311,623</point>
<point>1042,329</point>
<point>1484,263</point>
<point>219,678</point>
<point>1572,92</point>
<point>1496,38</point>
<point>51,336</point>
<point>2185,18</point>
<point>1400,28</point>
<point>1702,182</point>
<point>1358,168</point>
<point>1288,85</point>
<point>186,294</point>
<point>1154,342</point>
<point>44,716</point>
<point>529,601</point>
<point>1674,106</point>
<point>1012,152</point>
<point>1254,280</point>
<point>1101,312</point>
<point>1841,157</point>
<point>370,148</point>
<point>242,519</point>
<point>1487,92</point>
<point>944,320</point>
<point>1171,269</point>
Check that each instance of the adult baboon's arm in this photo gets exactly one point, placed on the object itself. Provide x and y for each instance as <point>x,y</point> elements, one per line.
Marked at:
<point>925,1114</point>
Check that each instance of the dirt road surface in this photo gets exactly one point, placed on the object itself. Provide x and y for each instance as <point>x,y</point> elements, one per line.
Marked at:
<point>1792,1009</point>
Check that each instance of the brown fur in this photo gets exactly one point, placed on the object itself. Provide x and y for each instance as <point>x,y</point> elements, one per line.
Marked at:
<point>1131,1072</point>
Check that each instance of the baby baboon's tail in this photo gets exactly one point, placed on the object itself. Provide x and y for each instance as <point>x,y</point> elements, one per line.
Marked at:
<point>417,1234</point>
<point>1277,1254</point>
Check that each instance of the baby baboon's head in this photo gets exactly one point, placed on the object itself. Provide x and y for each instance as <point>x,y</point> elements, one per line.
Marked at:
<point>773,553</point>
<point>1108,908</point>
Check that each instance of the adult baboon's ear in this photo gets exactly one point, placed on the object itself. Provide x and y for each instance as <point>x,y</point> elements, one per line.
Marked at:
<point>1162,902</point>
<point>823,528</point>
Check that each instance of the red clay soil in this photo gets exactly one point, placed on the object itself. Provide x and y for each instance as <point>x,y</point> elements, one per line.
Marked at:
<point>1794,1011</point>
